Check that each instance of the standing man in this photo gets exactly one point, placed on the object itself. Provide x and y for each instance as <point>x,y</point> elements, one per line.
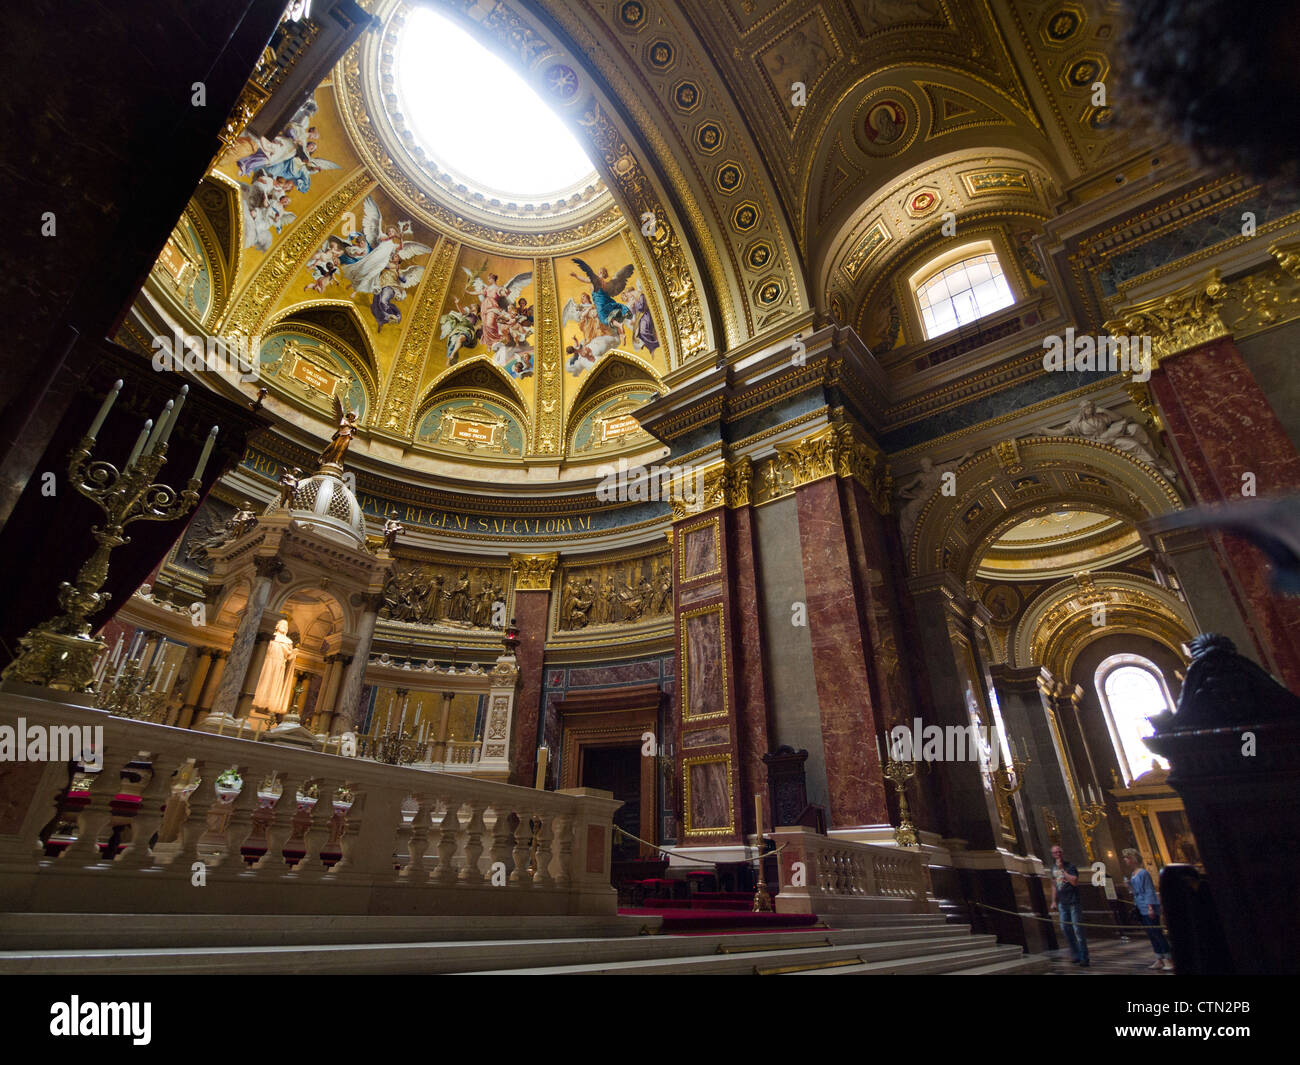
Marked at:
<point>1148,906</point>
<point>1065,900</point>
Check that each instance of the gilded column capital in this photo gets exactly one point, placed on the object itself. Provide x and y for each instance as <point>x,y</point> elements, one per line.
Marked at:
<point>532,573</point>
<point>1287,256</point>
<point>1177,322</point>
<point>695,489</point>
<point>837,450</point>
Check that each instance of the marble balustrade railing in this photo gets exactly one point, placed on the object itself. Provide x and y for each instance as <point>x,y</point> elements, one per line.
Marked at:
<point>306,833</point>
<point>826,875</point>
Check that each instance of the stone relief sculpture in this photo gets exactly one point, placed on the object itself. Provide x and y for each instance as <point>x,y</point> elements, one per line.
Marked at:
<point>444,596</point>
<point>1104,427</point>
<point>918,491</point>
<point>615,593</point>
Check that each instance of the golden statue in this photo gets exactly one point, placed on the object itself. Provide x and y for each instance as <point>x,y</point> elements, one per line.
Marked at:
<point>338,445</point>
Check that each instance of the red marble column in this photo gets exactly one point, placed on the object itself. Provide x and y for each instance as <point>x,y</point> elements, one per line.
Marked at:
<point>531,610</point>
<point>1220,426</point>
<point>847,693</point>
<point>751,684</point>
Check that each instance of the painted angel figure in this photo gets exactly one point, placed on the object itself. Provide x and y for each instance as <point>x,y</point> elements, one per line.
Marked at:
<point>338,445</point>
<point>643,326</point>
<point>387,247</point>
<point>604,289</point>
<point>461,328</point>
<point>497,305</point>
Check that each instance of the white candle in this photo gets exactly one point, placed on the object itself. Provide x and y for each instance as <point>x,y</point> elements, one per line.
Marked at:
<point>117,651</point>
<point>139,442</point>
<point>879,754</point>
<point>156,436</point>
<point>1012,744</point>
<point>176,413</point>
<point>135,643</point>
<point>104,409</point>
<point>171,671</point>
<point>207,450</point>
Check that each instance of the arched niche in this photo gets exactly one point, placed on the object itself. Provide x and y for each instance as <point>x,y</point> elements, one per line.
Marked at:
<point>309,365</point>
<point>1001,486</point>
<point>1063,619</point>
<point>314,615</point>
<point>621,383</point>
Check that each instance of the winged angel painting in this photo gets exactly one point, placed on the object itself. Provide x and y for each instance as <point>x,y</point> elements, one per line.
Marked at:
<point>273,169</point>
<point>372,262</point>
<point>498,316</point>
<point>603,321</point>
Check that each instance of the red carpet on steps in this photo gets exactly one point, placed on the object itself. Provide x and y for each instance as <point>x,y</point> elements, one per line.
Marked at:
<point>687,921</point>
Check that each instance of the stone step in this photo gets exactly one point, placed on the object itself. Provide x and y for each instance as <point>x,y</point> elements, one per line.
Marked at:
<point>801,957</point>
<point>951,962</point>
<point>438,956</point>
<point>1021,965</point>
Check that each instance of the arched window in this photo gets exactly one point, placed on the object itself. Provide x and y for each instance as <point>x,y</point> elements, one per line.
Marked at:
<point>1132,690</point>
<point>960,287</point>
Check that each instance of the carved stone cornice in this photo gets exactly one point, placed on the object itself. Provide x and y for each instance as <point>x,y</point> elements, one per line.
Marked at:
<point>1177,322</point>
<point>532,573</point>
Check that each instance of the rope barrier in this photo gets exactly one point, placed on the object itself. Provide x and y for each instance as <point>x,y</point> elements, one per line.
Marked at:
<point>1053,920</point>
<point>686,858</point>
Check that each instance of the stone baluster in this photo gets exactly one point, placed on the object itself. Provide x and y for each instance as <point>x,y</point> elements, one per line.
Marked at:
<point>278,826</point>
<point>300,820</point>
<point>502,839</point>
<point>339,838</point>
<point>402,846</point>
<point>239,827</point>
<point>25,847</point>
<point>448,841</point>
<point>148,818</point>
<point>523,836</point>
<point>544,835</point>
<point>201,800</point>
<point>311,868</point>
<point>415,871</point>
<point>474,828</point>
<point>95,816</point>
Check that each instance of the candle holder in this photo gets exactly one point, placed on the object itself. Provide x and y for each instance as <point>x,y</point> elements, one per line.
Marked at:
<point>61,653</point>
<point>125,696</point>
<point>899,774</point>
<point>1006,782</point>
<point>1089,818</point>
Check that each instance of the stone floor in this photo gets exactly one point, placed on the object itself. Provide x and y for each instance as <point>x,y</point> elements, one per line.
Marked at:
<point>1108,957</point>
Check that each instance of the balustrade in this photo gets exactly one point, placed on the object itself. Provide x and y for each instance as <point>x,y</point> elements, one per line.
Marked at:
<point>822,874</point>
<point>273,829</point>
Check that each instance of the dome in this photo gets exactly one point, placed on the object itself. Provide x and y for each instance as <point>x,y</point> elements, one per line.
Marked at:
<point>329,505</point>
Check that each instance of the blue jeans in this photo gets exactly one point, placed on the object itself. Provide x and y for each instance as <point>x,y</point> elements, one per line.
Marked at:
<point>1152,924</point>
<point>1071,917</point>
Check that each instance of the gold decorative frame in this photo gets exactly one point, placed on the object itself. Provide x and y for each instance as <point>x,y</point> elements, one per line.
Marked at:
<point>730,828</point>
<point>717,549</point>
<point>683,618</point>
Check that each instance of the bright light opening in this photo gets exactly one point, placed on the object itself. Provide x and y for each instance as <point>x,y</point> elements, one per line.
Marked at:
<point>475,116</point>
<point>1131,694</point>
<point>962,293</point>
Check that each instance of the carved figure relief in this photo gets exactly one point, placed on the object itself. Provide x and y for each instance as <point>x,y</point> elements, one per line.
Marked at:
<point>615,593</point>
<point>445,596</point>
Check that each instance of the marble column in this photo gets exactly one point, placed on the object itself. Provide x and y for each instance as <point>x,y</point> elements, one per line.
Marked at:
<point>951,673</point>
<point>1047,783</point>
<point>847,693</point>
<point>1228,441</point>
<point>329,692</point>
<point>202,666</point>
<point>346,709</point>
<point>241,648</point>
<point>532,576</point>
<point>438,752</point>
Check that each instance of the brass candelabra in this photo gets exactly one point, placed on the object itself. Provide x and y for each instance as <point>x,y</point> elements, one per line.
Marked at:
<point>126,695</point>
<point>61,652</point>
<point>900,774</point>
<point>1006,782</point>
<point>1089,818</point>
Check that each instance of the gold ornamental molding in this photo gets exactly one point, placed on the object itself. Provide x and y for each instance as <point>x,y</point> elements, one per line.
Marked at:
<point>697,489</point>
<point>532,573</point>
<point>833,451</point>
<point>263,291</point>
<point>1177,322</point>
<point>1212,308</point>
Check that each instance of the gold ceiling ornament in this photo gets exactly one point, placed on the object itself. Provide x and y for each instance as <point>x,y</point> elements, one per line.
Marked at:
<point>1177,322</point>
<point>263,290</point>
<point>674,270</point>
<point>398,409</point>
<point>532,573</point>
<point>1009,457</point>
<point>548,429</point>
<point>1288,258</point>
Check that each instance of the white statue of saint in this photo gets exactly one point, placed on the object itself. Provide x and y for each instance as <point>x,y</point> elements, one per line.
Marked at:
<point>1100,425</point>
<point>918,491</point>
<point>275,685</point>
